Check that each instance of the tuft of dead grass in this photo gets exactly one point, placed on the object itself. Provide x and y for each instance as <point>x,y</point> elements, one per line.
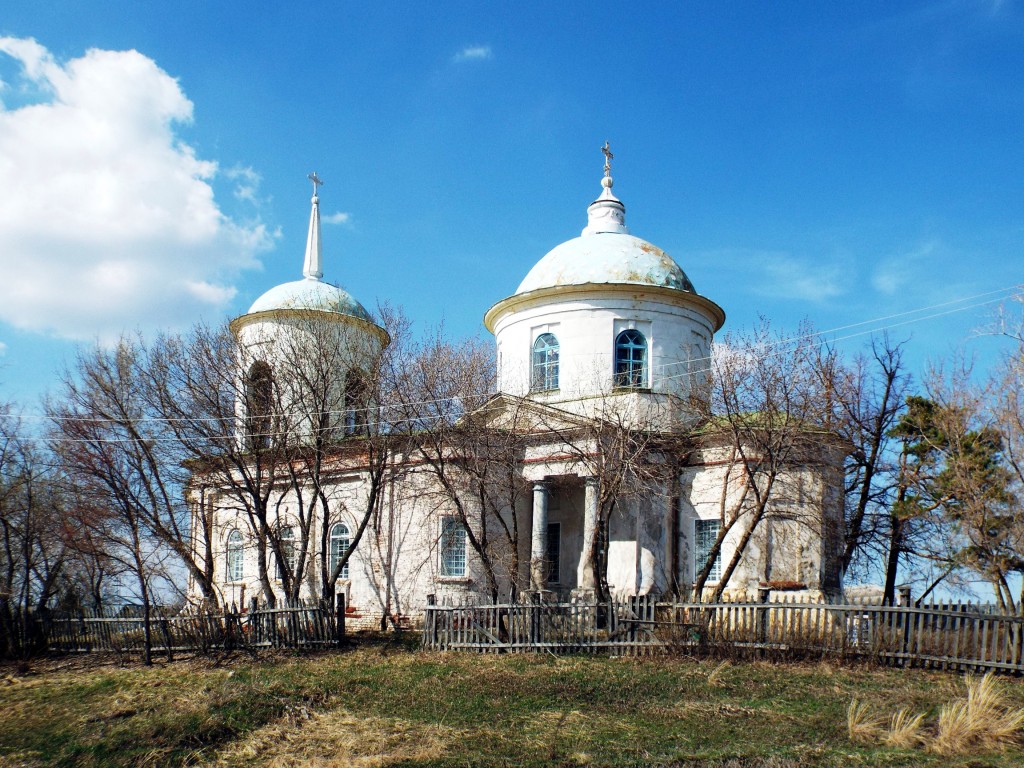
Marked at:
<point>905,730</point>
<point>862,725</point>
<point>982,720</point>
<point>715,675</point>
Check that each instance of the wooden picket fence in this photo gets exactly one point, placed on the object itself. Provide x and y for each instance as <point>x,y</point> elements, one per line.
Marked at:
<point>960,637</point>
<point>305,625</point>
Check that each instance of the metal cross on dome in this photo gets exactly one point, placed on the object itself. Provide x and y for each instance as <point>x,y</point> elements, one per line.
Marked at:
<point>607,159</point>
<point>317,182</point>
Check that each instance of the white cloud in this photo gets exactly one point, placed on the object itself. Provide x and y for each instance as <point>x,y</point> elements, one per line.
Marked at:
<point>790,278</point>
<point>3,349</point>
<point>337,218</point>
<point>781,275</point>
<point>896,273</point>
<point>108,221</point>
<point>247,183</point>
<point>473,53</point>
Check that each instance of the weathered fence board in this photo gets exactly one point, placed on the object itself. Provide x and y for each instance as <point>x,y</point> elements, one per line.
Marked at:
<point>296,626</point>
<point>943,636</point>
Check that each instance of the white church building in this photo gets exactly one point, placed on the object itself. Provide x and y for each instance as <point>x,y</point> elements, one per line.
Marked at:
<point>606,327</point>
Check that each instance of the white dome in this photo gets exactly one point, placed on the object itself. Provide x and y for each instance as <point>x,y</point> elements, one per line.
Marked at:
<point>606,257</point>
<point>310,294</point>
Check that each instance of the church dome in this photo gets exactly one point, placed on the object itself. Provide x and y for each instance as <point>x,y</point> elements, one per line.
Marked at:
<point>606,257</point>
<point>310,294</point>
<point>605,252</point>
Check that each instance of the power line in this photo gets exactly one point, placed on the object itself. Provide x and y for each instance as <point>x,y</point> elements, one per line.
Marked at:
<point>1000,294</point>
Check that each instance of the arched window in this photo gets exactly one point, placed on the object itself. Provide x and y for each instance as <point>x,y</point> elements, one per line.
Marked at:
<point>236,568</point>
<point>356,402</point>
<point>259,405</point>
<point>545,363</point>
<point>631,359</point>
<point>287,538</point>
<point>338,547</point>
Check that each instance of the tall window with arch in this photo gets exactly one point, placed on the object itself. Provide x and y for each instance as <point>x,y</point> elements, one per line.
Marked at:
<point>630,359</point>
<point>259,405</point>
<point>545,363</point>
<point>357,402</point>
<point>236,554</point>
<point>287,563</point>
<point>339,542</point>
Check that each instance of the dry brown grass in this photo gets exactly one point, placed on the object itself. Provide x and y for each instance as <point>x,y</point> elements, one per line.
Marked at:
<point>862,725</point>
<point>715,675</point>
<point>905,730</point>
<point>335,738</point>
<point>982,720</point>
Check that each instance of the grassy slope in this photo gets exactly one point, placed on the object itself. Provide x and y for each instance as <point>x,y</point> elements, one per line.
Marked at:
<point>384,706</point>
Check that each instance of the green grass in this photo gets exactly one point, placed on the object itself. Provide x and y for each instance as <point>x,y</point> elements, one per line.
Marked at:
<point>383,705</point>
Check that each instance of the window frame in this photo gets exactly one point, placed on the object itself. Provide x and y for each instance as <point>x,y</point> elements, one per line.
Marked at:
<point>287,544</point>
<point>336,551</point>
<point>630,360</point>
<point>702,546</point>
<point>452,549</point>
<point>235,561</point>
<point>545,363</point>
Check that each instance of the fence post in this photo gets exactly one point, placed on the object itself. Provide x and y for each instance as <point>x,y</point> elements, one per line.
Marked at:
<point>763,620</point>
<point>430,624</point>
<point>166,632</point>
<point>535,617</point>
<point>339,637</point>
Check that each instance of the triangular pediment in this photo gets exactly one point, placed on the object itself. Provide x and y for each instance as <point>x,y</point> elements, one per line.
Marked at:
<point>521,414</point>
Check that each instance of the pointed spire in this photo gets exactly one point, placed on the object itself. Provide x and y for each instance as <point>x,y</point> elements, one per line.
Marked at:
<point>607,213</point>
<point>313,267</point>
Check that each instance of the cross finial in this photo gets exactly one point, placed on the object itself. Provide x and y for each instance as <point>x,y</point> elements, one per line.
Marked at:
<point>607,159</point>
<point>317,182</point>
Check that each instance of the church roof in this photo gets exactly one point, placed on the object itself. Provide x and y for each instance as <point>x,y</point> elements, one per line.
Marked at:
<point>606,257</point>
<point>311,293</point>
<point>605,252</point>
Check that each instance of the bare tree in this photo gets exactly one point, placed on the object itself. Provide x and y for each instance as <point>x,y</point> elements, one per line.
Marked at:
<point>768,418</point>
<point>33,546</point>
<point>112,437</point>
<point>871,397</point>
<point>471,449</point>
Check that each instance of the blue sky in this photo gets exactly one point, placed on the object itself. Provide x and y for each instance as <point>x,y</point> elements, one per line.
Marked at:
<point>841,162</point>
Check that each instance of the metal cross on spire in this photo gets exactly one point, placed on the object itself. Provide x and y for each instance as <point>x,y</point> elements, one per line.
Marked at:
<point>607,159</point>
<point>317,182</point>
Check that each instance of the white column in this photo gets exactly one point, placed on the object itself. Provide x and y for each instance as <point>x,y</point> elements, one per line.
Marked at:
<point>539,543</point>
<point>591,499</point>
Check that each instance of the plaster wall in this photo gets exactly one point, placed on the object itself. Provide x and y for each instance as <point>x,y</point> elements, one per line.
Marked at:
<point>678,337</point>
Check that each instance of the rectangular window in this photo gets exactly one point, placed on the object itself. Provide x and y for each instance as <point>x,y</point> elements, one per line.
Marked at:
<point>453,547</point>
<point>705,534</point>
<point>553,553</point>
